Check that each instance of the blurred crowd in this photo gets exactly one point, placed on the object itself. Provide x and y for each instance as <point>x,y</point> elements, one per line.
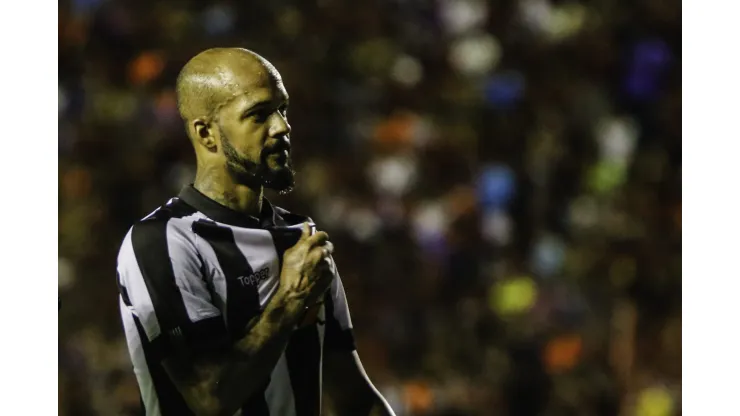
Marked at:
<point>501,180</point>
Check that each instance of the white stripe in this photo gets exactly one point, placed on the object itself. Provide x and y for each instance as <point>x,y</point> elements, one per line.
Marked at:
<point>259,250</point>
<point>341,310</point>
<point>214,274</point>
<point>279,393</point>
<point>269,287</point>
<point>132,279</point>
<point>151,213</point>
<point>187,270</point>
<point>136,351</point>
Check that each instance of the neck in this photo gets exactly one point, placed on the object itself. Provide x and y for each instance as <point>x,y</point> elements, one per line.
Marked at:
<point>220,187</point>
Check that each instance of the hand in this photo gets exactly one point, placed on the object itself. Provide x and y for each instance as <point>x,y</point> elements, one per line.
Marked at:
<point>307,269</point>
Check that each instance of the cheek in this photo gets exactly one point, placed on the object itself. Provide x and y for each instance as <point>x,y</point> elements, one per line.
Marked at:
<point>253,152</point>
<point>247,138</point>
<point>254,138</point>
<point>247,145</point>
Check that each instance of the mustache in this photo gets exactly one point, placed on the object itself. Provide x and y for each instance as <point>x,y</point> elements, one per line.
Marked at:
<point>278,147</point>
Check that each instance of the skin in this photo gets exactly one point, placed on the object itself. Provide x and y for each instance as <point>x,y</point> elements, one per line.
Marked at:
<point>234,106</point>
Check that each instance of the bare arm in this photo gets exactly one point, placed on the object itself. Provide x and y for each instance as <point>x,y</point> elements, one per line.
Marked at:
<point>350,389</point>
<point>218,384</point>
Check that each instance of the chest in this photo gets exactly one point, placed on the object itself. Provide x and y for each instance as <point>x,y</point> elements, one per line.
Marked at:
<point>242,268</point>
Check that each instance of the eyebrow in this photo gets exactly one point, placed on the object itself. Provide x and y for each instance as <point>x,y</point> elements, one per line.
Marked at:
<point>285,100</point>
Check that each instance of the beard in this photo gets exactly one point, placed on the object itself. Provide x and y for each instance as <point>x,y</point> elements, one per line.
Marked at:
<point>256,174</point>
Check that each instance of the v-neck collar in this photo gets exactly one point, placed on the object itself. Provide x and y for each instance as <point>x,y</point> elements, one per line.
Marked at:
<point>220,213</point>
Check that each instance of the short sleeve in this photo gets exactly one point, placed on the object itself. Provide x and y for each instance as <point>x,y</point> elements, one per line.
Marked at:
<point>161,284</point>
<point>339,335</point>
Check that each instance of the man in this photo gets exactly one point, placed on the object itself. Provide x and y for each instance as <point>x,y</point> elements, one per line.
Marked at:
<point>232,305</point>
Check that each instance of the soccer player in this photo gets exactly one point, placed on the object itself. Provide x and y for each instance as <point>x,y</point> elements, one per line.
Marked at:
<point>230,304</point>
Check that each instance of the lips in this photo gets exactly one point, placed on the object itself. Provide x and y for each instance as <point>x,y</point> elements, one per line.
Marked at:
<point>280,151</point>
<point>281,156</point>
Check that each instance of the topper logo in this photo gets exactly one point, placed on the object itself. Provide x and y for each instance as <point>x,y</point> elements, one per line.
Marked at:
<point>255,278</point>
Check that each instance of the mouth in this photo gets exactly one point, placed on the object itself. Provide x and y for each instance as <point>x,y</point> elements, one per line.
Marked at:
<point>280,157</point>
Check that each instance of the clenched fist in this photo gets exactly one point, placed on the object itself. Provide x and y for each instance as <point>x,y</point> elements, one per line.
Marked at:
<point>307,267</point>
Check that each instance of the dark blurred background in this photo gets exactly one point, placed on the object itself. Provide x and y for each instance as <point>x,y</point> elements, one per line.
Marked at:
<point>502,181</point>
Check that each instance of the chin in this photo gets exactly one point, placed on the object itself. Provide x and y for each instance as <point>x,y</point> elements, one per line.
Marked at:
<point>281,180</point>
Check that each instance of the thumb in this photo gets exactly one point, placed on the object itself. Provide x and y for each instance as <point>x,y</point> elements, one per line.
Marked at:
<point>305,231</point>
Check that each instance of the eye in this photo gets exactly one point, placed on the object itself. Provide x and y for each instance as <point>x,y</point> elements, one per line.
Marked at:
<point>261,116</point>
<point>283,110</point>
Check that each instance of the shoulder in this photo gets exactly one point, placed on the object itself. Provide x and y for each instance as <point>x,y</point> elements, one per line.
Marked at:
<point>165,230</point>
<point>175,208</point>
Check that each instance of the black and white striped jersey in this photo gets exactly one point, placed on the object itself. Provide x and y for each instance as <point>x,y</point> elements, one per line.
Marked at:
<point>192,274</point>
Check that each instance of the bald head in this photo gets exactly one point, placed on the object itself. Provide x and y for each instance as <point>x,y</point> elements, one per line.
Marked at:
<point>215,76</point>
<point>235,108</point>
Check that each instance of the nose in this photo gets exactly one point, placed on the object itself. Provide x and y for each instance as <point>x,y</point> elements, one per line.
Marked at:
<point>280,126</point>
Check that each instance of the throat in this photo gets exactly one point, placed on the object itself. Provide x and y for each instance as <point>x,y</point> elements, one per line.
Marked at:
<point>237,197</point>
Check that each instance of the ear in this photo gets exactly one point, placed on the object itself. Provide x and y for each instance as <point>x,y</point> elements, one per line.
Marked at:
<point>203,133</point>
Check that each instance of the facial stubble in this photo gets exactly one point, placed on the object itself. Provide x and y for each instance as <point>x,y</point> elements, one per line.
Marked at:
<point>255,174</point>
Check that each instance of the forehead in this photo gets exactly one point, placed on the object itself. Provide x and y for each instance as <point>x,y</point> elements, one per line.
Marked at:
<point>256,87</point>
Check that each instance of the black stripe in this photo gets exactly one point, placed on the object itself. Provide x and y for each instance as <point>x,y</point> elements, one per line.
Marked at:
<point>242,302</point>
<point>284,238</point>
<point>206,336</point>
<point>257,405</point>
<point>149,241</point>
<point>303,355</point>
<point>171,401</point>
<point>122,290</point>
<point>336,338</point>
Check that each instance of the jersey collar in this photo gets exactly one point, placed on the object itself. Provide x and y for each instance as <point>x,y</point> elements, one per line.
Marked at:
<point>219,213</point>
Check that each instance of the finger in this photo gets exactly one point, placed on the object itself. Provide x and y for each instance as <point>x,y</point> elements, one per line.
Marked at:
<point>319,253</point>
<point>305,231</point>
<point>315,256</point>
<point>324,281</point>
<point>330,262</point>
<point>322,284</point>
<point>317,239</point>
<point>329,247</point>
<point>326,264</point>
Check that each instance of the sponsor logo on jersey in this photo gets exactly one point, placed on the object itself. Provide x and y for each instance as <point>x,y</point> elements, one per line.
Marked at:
<point>255,278</point>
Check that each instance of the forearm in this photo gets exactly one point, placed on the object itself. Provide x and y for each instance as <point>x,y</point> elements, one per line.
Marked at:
<point>255,355</point>
<point>221,384</point>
